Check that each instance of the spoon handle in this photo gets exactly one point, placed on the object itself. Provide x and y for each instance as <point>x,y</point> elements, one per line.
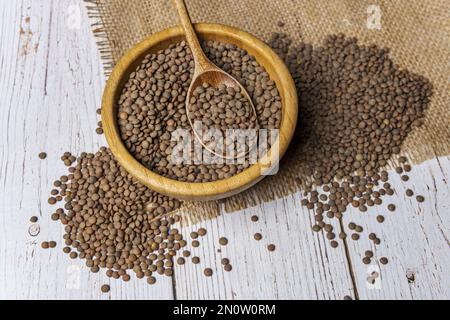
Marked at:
<point>201,61</point>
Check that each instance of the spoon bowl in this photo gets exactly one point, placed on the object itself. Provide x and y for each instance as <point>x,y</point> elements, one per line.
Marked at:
<point>215,77</point>
<point>266,57</point>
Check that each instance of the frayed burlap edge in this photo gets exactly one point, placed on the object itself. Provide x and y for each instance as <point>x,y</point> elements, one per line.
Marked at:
<point>102,40</point>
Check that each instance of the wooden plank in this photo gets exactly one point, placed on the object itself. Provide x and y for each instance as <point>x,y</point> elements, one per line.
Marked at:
<point>303,266</point>
<point>51,83</point>
<point>415,238</point>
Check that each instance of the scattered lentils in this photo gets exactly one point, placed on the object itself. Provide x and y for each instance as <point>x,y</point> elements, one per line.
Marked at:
<point>105,288</point>
<point>195,260</point>
<point>357,109</point>
<point>223,241</point>
<point>208,272</point>
<point>420,198</point>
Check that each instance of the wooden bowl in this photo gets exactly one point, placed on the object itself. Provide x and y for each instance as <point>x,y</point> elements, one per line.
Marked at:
<point>208,190</point>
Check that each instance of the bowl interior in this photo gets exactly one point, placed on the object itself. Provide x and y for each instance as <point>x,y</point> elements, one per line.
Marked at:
<point>209,190</point>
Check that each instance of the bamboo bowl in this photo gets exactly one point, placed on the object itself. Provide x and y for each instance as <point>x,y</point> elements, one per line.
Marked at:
<point>208,190</point>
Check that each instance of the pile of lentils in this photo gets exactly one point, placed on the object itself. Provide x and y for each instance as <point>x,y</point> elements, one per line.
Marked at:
<point>357,107</point>
<point>113,221</point>
<point>152,106</point>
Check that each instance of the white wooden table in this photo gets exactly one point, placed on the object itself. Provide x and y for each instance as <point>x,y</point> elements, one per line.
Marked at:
<point>51,82</point>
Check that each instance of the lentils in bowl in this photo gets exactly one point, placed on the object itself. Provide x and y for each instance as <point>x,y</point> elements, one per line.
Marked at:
<point>151,107</point>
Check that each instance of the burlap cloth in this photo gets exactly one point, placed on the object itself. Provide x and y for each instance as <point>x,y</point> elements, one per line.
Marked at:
<point>417,31</point>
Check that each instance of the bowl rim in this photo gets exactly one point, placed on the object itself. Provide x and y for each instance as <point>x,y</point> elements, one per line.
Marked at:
<point>195,190</point>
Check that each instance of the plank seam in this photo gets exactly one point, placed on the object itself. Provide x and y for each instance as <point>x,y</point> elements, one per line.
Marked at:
<point>349,262</point>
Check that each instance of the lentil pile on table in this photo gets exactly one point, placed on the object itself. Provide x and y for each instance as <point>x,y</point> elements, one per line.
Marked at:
<point>152,106</point>
<point>357,107</point>
<point>111,220</point>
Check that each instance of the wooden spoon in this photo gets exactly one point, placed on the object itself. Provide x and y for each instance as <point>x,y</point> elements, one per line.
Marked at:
<point>206,72</point>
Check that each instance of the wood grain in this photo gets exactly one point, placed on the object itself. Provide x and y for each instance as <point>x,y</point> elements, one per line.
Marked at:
<point>303,266</point>
<point>415,238</point>
<point>51,82</point>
